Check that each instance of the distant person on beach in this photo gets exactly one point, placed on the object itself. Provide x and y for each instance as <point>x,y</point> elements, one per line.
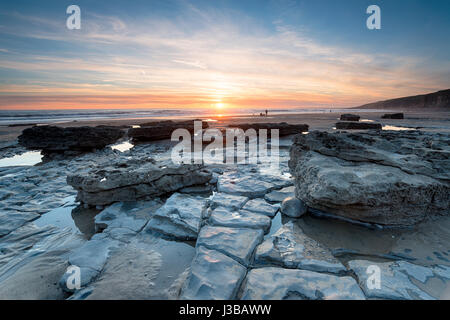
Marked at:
<point>267,111</point>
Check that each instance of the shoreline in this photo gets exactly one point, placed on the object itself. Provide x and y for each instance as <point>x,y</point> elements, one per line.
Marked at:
<point>316,121</point>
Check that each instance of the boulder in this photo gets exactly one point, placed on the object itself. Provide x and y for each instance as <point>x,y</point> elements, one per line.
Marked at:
<point>350,117</point>
<point>351,125</point>
<point>293,207</point>
<point>290,248</point>
<point>284,128</point>
<point>283,284</point>
<point>398,116</point>
<point>131,180</point>
<point>161,130</point>
<point>52,139</point>
<point>388,178</point>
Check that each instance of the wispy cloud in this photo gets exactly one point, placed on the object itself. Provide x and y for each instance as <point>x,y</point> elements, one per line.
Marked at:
<point>118,63</point>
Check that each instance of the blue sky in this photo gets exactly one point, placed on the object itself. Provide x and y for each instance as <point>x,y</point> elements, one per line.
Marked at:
<point>220,53</point>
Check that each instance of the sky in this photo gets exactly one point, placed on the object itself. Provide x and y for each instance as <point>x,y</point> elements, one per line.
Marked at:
<point>220,54</point>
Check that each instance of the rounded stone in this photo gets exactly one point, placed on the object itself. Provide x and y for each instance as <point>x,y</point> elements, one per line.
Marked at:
<point>293,207</point>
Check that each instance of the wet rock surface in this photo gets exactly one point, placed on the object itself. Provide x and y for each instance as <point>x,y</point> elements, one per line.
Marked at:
<point>290,248</point>
<point>284,284</point>
<point>350,117</point>
<point>390,178</point>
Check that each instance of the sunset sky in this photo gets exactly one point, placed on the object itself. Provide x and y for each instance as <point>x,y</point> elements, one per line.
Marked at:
<point>220,54</point>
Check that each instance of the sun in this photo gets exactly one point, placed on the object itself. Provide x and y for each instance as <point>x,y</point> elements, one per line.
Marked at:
<point>220,105</point>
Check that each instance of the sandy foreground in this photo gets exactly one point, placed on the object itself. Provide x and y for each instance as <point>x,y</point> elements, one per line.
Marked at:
<point>435,121</point>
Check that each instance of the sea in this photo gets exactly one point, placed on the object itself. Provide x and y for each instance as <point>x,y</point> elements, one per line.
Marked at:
<point>18,117</point>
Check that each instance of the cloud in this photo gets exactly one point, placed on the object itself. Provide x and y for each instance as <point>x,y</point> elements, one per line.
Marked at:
<point>200,58</point>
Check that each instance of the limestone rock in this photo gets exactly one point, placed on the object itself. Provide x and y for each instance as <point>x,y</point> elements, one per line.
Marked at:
<point>131,180</point>
<point>214,276</point>
<point>239,219</point>
<point>289,247</point>
<point>56,139</point>
<point>283,284</point>
<point>351,125</point>
<point>388,178</point>
<point>237,243</point>
<point>262,207</point>
<point>179,217</point>
<point>350,117</point>
<point>293,207</point>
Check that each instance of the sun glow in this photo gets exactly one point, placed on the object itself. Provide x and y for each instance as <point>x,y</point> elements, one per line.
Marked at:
<point>220,105</point>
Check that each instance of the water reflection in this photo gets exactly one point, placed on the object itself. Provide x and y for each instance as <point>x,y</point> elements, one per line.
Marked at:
<point>29,158</point>
<point>123,146</point>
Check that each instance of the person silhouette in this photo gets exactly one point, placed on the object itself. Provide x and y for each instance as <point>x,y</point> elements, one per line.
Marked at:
<point>267,111</point>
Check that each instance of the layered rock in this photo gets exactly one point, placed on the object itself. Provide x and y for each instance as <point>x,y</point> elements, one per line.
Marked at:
<point>389,178</point>
<point>161,130</point>
<point>53,139</point>
<point>350,117</point>
<point>352,125</point>
<point>398,116</point>
<point>131,180</point>
<point>284,128</point>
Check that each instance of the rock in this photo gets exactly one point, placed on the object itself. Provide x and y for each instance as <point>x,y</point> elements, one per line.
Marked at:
<point>136,179</point>
<point>250,184</point>
<point>237,243</point>
<point>127,275</point>
<point>179,217</point>
<point>127,215</point>
<point>262,207</point>
<point>214,276</point>
<point>284,128</point>
<point>293,207</point>
<point>161,130</point>
<point>395,282</point>
<point>290,248</point>
<point>228,201</point>
<point>280,195</point>
<point>11,220</point>
<point>283,284</point>
<point>398,116</point>
<point>239,219</point>
<point>350,117</point>
<point>387,178</point>
<point>56,139</point>
<point>351,125</point>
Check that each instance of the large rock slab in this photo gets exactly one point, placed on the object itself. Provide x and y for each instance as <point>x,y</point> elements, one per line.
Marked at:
<point>262,207</point>
<point>284,128</point>
<point>397,116</point>
<point>289,247</point>
<point>11,220</point>
<point>136,179</point>
<point>395,280</point>
<point>57,139</point>
<point>213,276</point>
<point>161,130</point>
<point>389,178</point>
<point>282,284</point>
<point>350,117</point>
<point>179,217</point>
<point>237,243</point>
<point>239,219</point>
<point>250,184</point>
<point>280,195</point>
<point>228,201</point>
